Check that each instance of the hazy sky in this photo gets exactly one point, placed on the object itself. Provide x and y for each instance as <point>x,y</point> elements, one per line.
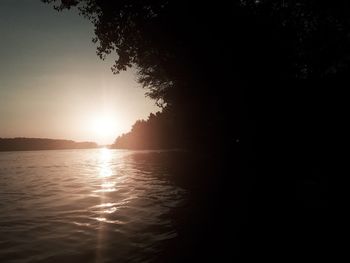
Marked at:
<point>53,85</point>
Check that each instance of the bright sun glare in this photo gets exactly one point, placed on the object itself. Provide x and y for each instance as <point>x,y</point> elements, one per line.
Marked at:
<point>104,128</point>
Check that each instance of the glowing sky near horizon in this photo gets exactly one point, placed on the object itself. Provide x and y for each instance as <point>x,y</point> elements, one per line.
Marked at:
<point>52,83</point>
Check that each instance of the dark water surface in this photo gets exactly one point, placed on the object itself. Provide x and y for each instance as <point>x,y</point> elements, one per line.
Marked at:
<point>94,205</point>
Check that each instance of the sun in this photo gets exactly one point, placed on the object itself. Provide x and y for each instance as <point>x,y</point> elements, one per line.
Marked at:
<point>104,128</point>
<point>103,125</point>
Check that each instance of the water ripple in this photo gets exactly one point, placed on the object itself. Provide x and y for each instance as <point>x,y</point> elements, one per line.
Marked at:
<point>84,202</point>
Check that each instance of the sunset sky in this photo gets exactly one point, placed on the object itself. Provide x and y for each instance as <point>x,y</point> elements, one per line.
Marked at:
<point>52,83</point>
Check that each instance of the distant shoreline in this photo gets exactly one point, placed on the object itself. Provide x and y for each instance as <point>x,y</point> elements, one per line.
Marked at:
<point>42,144</point>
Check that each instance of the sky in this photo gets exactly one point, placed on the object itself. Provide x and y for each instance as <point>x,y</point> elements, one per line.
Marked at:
<point>52,83</point>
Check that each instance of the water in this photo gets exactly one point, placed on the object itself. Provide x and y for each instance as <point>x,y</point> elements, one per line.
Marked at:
<point>94,205</point>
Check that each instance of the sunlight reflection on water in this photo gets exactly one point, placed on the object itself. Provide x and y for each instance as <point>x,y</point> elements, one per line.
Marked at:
<point>96,205</point>
<point>105,163</point>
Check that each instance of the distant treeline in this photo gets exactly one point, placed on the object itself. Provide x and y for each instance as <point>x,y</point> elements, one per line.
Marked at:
<point>157,132</point>
<point>167,130</point>
<point>31,144</point>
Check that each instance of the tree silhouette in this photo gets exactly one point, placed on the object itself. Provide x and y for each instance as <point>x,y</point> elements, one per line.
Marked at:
<point>169,40</point>
<point>218,66</point>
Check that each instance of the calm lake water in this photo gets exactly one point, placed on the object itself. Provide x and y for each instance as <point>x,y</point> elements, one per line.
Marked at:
<point>95,205</point>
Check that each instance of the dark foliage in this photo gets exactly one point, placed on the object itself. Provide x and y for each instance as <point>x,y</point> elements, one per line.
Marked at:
<point>223,69</point>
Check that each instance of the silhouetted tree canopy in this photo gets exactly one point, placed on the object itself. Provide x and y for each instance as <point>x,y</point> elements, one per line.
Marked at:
<point>218,65</point>
<point>168,40</point>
